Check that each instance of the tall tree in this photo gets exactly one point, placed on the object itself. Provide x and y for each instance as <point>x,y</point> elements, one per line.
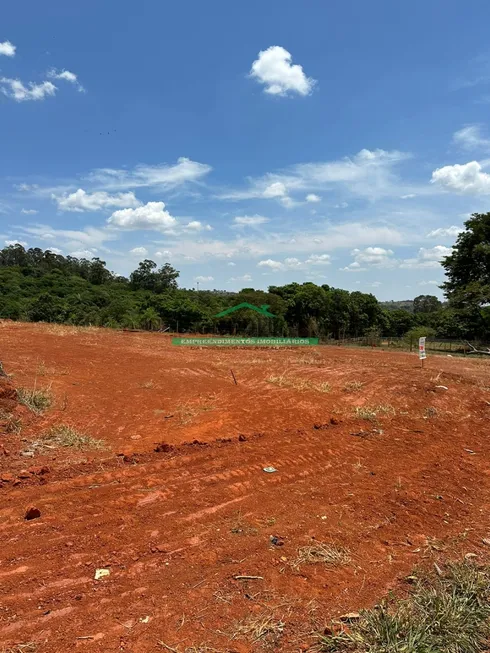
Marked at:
<point>426,304</point>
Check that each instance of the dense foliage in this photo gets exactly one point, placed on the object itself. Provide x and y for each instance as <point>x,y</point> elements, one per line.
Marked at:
<point>39,285</point>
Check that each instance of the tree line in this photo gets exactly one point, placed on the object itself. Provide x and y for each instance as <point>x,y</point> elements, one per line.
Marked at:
<point>39,285</point>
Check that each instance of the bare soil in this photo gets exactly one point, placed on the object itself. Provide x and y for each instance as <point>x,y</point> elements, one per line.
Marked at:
<point>394,473</point>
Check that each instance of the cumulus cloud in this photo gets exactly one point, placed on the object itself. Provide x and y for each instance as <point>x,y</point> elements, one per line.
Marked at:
<point>427,257</point>
<point>29,211</point>
<point>16,90</point>
<point>271,264</point>
<point>277,189</point>
<point>83,253</point>
<point>429,283</point>
<point>245,277</point>
<point>311,197</point>
<point>318,259</point>
<point>342,205</point>
<point>164,254</point>
<point>7,49</point>
<point>80,201</point>
<point>409,196</point>
<point>202,279</point>
<point>152,215</point>
<point>452,232</point>
<point>162,176</point>
<point>471,138</point>
<point>274,68</point>
<point>67,76</point>
<point>249,220</point>
<point>434,253</point>
<point>139,251</point>
<point>196,225</point>
<point>16,242</point>
<point>467,178</point>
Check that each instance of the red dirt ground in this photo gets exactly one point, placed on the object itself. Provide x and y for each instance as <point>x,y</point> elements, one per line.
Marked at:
<point>176,526</point>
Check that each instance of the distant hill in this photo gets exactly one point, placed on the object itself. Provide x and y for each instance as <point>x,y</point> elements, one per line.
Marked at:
<point>406,304</point>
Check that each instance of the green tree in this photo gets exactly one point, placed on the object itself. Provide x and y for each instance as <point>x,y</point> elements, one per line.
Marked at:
<point>426,304</point>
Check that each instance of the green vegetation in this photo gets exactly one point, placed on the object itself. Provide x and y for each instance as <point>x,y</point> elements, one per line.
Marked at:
<point>63,435</point>
<point>39,285</point>
<point>444,614</point>
<point>36,400</point>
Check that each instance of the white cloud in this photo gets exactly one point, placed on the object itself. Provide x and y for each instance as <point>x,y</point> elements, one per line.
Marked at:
<point>369,173</point>
<point>139,251</point>
<point>245,277</point>
<point>150,216</point>
<point>429,283</point>
<point>71,239</point>
<point>16,242</point>
<point>434,253</point>
<point>15,89</point>
<point>55,250</point>
<point>319,259</point>
<point>470,138</point>
<point>83,253</point>
<point>232,264</point>
<point>342,205</point>
<point>277,189</point>
<point>427,258</point>
<point>164,254</point>
<point>201,279</point>
<point>160,176</point>
<point>353,267</point>
<point>80,201</point>
<point>466,178</point>
<point>67,76</point>
<point>196,225</point>
<point>29,211</point>
<point>452,232</point>
<point>311,197</point>
<point>409,196</point>
<point>373,256</point>
<point>271,264</point>
<point>7,49</point>
<point>274,69</point>
<point>249,220</point>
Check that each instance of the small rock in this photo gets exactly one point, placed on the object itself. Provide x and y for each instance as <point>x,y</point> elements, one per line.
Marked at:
<point>32,513</point>
<point>334,421</point>
<point>163,447</point>
<point>242,438</point>
<point>276,540</point>
<point>27,454</point>
<point>486,541</point>
<point>6,477</point>
<point>101,573</point>
<point>24,474</point>
<point>469,556</point>
<point>37,471</point>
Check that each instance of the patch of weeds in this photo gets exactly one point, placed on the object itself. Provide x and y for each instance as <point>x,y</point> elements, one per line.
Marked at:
<point>35,400</point>
<point>13,425</point>
<point>321,553</point>
<point>449,613</point>
<point>430,412</point>
<point>370,413</point>
<point>28,647</point>
<point>240,526</point>
<point>353,386</point>
<point>188,411</point>
<point>147,385</point>
<point>203,648</point>
<point>265,628</point>
<point>63,435</point>
<point>299,384</point>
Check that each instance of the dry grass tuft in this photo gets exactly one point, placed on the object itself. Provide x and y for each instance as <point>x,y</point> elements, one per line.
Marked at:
<point>264,628</point>
<point>63,435</point>
<point>447,613</point>
<point>321,553</point>
<point>28,647</point>
<point>371,413</point>
<point>35,400</point>
<point>353,386</point>
<point>299,384</point>
<point>430,412</point>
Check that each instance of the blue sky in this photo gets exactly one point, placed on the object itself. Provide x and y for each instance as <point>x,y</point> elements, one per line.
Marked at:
<point>247,144</point>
